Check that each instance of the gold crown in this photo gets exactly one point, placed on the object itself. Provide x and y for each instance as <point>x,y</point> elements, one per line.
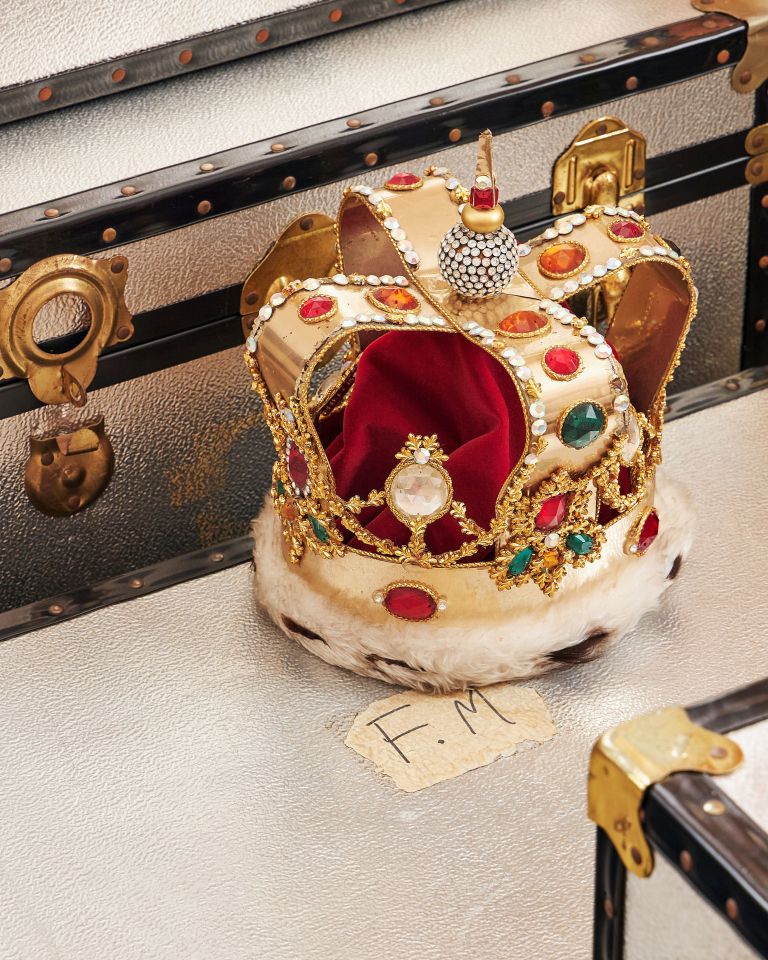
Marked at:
<point>584,325</point>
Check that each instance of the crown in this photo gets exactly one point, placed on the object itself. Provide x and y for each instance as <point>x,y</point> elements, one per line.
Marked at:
<point>467,429</point>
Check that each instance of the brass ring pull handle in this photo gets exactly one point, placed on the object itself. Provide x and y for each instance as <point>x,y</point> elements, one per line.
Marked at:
<point>57,378</point>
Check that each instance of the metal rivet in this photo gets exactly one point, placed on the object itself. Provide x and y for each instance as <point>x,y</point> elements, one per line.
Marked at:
<point>335,15</point>
<point>714,807</point>
<point>371,159</point>
<point>763,200</point>
<point>512,78</point>
<point>760,325</point>
<point>277,147</point>
<point>709,24</point>
<point>651,41</point>
<point>109,235</point>
<point>51,213</point>
<point>251,298</point>
<point>686,861</point>
<point>206,167</point>
<point>118,75</point>
<point>306,223</point>
<point>437,101</point>
<point>204,207</point>
<point>288,183</point>
<point>732,908</point>
<point>353,123</point>
<point>547,108</point>
<point>123,333</point>
<point>5,264</point>
<point>216,557</point>
<point>117,265</point>
<point>454,135</point>
<point>631,83</point>
<point>135,583</point>
<point>763,263</point>
<point>723,56</point>
<point>745,77</point>
<point>127,191</point>
<point>47,458</point>
<point>184,57</point>
<point>587,58</point>
<point>601,129</point>
<point>758,141</point>
<point>55,609</point>
<point>73,503</point>
<point>559,197</point>
<point>608,908</point>
<point>262,36</point>
<point>718,752</point>
<point>636,855</point>
<point>757,169</point>
<point>44,93</point>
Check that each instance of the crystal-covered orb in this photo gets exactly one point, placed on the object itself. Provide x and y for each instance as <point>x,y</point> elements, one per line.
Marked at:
<point>478,265</point>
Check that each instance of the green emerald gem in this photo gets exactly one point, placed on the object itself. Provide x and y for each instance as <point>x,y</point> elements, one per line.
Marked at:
<point>320,531</point>
<point>583,424</point>
<point>280,487</point>
<point>580,543</point>
<point>519,563</point>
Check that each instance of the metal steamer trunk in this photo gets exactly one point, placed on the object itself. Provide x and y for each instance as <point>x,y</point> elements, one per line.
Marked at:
<point>177,782</point>
<point>181,186</point>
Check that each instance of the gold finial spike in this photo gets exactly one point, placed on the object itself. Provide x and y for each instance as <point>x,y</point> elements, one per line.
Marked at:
<point>485,157</point>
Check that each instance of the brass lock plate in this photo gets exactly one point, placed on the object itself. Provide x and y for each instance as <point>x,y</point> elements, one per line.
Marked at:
<point>57,378</point>
<point>605,162</point>
<point>67,471</point>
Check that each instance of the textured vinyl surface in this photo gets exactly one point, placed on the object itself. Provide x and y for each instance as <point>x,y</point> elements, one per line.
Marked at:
<point>347,73</point>
<point>192,462</point>
<point>175,782</point>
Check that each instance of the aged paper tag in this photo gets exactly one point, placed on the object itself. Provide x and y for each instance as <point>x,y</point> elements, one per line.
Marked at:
<point>419,739</point>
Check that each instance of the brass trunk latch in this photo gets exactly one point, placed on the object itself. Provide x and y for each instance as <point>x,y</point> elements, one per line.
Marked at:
<point>629,759</point>
<point>605,162</point>
<point>63,377</point>
<point>67,471</point>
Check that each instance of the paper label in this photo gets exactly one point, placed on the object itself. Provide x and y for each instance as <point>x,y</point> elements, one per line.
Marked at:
<point>419,739</point>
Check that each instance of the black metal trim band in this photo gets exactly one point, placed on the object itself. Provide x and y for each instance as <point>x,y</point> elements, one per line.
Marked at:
<point>755,336</point>
<point>724,858</point>
<point>43,613</point>
<point>201,325</point>
<point>610,898</point>
<point>253,174</point>
<point>195,53</point>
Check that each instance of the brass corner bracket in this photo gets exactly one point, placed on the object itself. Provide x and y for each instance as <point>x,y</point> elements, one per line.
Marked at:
<point>752,69</point>
<point>604,162</point>
<point>630,758</point>
<point>57,378</point>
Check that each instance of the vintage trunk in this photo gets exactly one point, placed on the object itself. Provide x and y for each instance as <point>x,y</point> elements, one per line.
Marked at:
<point>176,781</point>
<point>707,895</point>
<point>189,180</point>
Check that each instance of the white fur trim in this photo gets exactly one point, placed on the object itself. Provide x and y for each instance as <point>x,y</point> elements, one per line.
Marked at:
<point>514,639</point>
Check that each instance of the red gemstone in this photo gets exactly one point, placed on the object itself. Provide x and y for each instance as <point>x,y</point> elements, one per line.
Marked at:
<point>562,361</point>
<point>403,179</point>
<point>314,307</point>
<point>553,511</point>
<point>483,198</point>
<point>649,532</point>
<point>626,229</point>
<point>523,321</point>
<point>625,480</point>
<point>410,603</point>
<point>395,298</point>
<point>298,469</point>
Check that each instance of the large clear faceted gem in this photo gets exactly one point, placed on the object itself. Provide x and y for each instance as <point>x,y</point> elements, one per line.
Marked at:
<point>419,490</point>
<point>632,443</point>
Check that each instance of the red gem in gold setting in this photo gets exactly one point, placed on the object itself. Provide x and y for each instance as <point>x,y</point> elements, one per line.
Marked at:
<point>562,259</point>
<point>395,300</point>
<point>553,511</point>
<point>561,363</point>
<point>626,230</point>
<point>410,603</point>
<point>523,321</point>
<point>315,309</point>
<point>405,180</point>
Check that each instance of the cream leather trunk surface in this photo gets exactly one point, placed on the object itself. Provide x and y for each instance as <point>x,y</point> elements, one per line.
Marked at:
<point>175,782</point>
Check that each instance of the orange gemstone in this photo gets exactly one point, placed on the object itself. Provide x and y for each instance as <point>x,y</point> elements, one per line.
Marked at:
<point>288,510</point>
<point>551,559</point>
<point>561,259</point>
<point>523,321</point>
<point>396,298</point>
